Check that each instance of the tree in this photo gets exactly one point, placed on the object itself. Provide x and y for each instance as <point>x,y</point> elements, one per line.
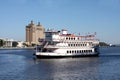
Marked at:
<point>26,45</point>
<point>33,45</point>
<point>1,42</point>
<point>14,44</point>
<point>103,44</point>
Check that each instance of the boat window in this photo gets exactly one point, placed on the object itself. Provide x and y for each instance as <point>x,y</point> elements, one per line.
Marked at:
<point>80,44</point>
<point>68,44</point>
<point>86,51</point>
<point>83,51</point>
<point>90,50</point>
<point>69,38</point>
<point>80,51</point>
<point>75,51</point>
<point>72,51</point>
<point>67,51</point>
<point>74,44</point>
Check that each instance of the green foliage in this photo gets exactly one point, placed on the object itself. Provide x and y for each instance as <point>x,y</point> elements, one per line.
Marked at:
<point>25,44</point>
<point>1,42</point>
<point>103,44</point>
<point>33,45</point>
<point>14,44</point>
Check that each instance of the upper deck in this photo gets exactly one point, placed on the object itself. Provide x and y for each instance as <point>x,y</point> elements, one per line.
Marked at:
<point>60,36</point>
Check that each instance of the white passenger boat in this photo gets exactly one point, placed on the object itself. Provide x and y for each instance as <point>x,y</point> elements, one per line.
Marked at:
<point>62,44</point>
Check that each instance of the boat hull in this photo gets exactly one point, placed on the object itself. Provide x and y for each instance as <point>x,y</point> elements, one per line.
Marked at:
<point>66,56</point>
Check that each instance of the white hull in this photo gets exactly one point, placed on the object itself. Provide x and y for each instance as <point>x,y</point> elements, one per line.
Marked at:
<point>50,54</point>
<point>70,52</point>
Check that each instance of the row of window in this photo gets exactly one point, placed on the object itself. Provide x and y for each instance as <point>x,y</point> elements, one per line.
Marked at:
<point>77,38</point>
<point>72,38</point>
<point>77,44</point>
<point>79,51</point>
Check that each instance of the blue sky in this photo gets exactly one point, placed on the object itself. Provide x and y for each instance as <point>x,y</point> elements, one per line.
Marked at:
<point>77,16</point>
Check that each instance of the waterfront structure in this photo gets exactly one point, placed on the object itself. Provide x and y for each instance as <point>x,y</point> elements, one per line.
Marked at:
<point>7,42</point>
<point>62,44</point>
<point>34,33</point>
<point>20,44</point>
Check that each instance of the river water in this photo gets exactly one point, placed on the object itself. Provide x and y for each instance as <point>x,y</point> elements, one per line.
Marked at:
<point>22,65</point>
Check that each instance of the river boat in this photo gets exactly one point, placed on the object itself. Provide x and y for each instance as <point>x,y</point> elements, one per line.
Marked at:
<point>62,44</point>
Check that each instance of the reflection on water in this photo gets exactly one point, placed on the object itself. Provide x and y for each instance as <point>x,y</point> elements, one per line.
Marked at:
<point>71,68</point>
<point>22,65</point>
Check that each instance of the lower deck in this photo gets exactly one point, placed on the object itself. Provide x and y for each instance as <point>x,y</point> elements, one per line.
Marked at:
<point>59,55</point>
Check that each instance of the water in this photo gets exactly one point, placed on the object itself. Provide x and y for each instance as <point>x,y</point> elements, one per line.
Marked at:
<point>22,65</point>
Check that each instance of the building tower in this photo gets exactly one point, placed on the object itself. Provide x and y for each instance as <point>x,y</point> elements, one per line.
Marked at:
<point>34,33</point>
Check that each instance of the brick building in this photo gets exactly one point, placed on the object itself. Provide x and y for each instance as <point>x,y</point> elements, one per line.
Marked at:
<point>34,33</point>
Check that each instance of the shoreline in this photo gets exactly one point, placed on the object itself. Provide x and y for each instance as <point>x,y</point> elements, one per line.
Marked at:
<point>15,48</point>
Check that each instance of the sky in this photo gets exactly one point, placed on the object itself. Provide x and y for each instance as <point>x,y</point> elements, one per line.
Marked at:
<point>77,16</point>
